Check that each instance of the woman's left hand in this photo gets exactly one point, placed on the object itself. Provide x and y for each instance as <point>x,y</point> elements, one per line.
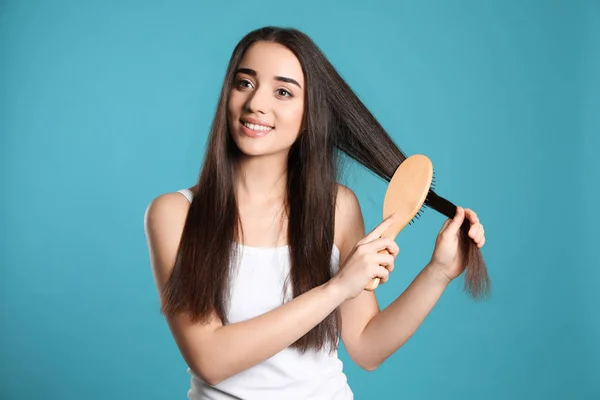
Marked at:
<point>446,255</point>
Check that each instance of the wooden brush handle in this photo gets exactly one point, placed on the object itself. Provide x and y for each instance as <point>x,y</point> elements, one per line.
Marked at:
<point>375,282</point>
<point>372,285</point>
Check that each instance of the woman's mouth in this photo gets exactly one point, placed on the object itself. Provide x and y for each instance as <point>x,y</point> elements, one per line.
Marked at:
<point>254,130</point>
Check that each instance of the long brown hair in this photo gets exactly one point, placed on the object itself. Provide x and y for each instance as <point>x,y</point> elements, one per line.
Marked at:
<point>334,120</point>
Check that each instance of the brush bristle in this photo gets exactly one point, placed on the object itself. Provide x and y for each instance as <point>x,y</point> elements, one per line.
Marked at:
<point>425,204</point>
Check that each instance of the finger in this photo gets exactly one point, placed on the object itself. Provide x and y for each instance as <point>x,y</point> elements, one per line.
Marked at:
<point>456,222</point>
<point>471,215</point>
<point>480,242</point>
<point>382,273</point>
<point>379,271</point>
<point>390,267</point>
<point>384,260</point>
<point>380,229</point>
<point>383,243</point>
<point>480,236</point>
<point>397,250</point>
<point>446,223</point>
<point>474,231</point>
<point>392,249</point>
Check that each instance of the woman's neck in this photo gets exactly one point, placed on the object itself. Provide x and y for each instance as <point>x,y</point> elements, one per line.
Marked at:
<point>261,179</point>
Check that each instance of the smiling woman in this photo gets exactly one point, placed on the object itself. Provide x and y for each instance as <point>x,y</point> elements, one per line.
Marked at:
<point>261,266</point>
<point>265,104</point>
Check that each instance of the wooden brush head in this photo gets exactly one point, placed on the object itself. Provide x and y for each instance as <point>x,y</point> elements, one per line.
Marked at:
<point>405,196</point>
<point>407,192</point>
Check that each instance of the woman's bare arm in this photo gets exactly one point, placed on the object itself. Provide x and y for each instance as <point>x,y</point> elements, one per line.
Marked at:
<point>213,351</point>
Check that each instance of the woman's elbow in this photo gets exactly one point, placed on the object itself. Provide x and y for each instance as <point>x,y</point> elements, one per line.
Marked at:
<point>208,374</point>
<point>368,367</point>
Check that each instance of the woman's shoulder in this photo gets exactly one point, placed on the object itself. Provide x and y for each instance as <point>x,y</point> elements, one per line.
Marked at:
<point>349,225</point>
<point>345,194</point>
<point>347,205</point>
<point>175,199</point>
<point>168,208</point>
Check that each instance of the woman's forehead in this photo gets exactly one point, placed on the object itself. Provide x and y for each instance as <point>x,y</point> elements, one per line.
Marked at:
<point>268,60</point>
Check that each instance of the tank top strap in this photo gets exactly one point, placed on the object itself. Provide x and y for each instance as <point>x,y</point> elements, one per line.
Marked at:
<point>187,193</point>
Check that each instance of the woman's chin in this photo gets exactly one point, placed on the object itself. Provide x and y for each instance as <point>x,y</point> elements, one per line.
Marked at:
<point>255,152</point>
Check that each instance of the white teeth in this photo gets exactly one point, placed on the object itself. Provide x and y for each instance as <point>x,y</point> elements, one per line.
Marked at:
<point>257,127</point>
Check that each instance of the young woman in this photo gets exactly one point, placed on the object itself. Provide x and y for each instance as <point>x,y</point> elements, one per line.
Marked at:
<point>261,266</point>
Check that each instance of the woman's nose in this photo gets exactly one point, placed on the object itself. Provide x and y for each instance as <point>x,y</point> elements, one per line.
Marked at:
<point>259,101</point>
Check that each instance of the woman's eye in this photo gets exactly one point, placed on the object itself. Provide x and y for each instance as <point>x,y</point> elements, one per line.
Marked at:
<point>284,93</point>
<point>244,83</point>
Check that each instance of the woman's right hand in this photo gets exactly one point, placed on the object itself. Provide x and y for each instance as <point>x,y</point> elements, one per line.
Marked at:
<point>364,263</point>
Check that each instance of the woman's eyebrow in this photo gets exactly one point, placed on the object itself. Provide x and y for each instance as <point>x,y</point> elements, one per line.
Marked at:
<point>252,72</point>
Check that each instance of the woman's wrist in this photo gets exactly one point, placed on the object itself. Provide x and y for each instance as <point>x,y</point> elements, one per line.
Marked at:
<point>438,273</point>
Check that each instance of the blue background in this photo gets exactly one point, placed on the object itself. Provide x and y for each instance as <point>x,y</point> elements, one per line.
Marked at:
<point>106,105</point>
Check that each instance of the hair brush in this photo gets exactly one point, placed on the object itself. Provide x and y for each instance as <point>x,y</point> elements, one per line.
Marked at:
<point>408,193</point>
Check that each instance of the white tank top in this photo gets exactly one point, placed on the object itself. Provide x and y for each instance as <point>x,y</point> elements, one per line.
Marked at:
<point>257,286</point>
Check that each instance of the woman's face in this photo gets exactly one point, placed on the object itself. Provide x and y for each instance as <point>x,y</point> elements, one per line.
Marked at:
<point>266,103</point>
